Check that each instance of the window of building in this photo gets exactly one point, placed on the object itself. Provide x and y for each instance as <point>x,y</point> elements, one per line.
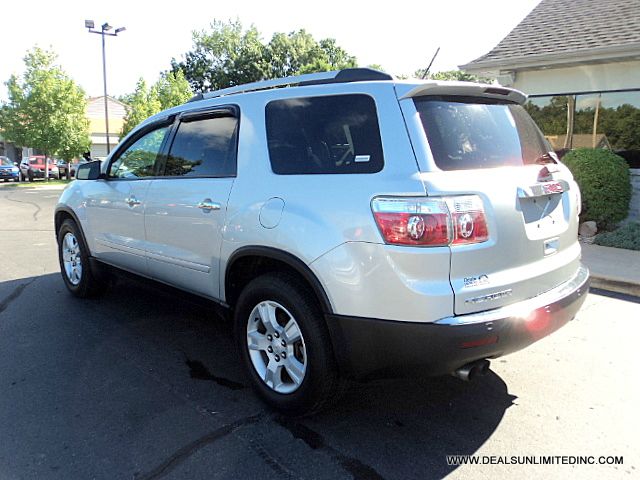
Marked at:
<point>591,120</point>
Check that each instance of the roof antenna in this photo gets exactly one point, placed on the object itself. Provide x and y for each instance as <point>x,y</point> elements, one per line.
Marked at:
<point>426,72</point>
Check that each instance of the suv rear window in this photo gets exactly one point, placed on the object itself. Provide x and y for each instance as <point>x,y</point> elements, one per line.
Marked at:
<point>470,133</point>
<point>330,134</point>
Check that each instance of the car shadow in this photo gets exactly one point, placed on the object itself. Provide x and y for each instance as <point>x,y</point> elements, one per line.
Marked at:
<point>380,429</point>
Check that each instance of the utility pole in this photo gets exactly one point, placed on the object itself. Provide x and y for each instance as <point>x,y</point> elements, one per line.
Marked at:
<point>104,31</point>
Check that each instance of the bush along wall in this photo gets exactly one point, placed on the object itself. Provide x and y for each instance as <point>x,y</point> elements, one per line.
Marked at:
<point>604,183</point>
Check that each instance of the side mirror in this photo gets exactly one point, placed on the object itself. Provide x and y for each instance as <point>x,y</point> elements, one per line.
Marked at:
<point>88,171</point>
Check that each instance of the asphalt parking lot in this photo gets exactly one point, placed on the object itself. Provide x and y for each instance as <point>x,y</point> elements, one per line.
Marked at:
<point>143,383</point>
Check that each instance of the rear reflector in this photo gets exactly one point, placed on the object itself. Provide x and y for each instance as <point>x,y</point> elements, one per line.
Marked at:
<point>433,221</point>
<point>480,342</point>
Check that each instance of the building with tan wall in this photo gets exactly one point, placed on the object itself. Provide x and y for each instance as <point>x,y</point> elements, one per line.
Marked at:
<point>97,126</point>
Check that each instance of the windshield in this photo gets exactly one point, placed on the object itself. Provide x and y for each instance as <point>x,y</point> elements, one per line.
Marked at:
<point>4,161</point>
<point>469,133</point>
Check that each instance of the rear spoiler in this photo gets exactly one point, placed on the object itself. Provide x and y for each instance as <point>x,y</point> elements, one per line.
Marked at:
<point>466,89</point>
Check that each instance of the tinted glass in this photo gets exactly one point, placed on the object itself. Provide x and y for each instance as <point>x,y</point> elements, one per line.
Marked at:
<point>138,159</point>
<point>334,134</point>
<point>204,147</point>
<point>600,120</point>
<point>471,133</point>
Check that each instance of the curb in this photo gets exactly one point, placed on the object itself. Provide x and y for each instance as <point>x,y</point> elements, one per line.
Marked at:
<point>615,285</point>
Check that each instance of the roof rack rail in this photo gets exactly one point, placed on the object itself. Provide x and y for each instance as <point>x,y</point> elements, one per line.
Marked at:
<point>337,76</point>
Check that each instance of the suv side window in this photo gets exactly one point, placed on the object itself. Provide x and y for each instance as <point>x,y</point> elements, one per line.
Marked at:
<point>319,135</point>
<point>204,147</point>
<point>138,160</point>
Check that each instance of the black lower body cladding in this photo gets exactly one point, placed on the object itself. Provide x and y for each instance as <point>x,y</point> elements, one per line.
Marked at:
<point>367,348</point>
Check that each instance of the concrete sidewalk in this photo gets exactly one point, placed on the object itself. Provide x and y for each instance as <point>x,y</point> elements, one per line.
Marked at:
<point>614,269</point>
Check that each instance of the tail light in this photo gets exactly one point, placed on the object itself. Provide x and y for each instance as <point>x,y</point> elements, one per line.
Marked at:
<point>437,221</point>
<point>469,221</point>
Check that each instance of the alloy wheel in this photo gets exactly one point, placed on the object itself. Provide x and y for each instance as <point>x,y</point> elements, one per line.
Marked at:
<point>71,258</point>
<point>276,347</point>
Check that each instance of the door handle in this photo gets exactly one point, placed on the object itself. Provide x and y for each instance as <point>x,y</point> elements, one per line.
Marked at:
<point>207,205</point>
<point>132,201</point>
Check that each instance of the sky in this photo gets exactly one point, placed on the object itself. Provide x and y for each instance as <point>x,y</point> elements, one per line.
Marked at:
<point>401,37</point>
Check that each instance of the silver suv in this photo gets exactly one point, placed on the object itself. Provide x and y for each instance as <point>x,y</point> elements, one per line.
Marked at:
<point>353,225</point>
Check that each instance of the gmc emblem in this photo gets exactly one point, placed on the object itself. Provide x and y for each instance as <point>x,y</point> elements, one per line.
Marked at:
<point>550,188</point>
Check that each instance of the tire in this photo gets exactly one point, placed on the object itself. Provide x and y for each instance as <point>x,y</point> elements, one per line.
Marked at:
<point>305,379</point>
<point>30,176</point>
<point>82,282</point>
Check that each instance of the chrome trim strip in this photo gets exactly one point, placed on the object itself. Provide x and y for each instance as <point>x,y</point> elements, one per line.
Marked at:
<point>572,288</point>
<point>119,247</point>
<point>198,267</point>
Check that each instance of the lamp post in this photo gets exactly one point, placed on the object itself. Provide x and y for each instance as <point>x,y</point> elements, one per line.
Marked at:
<point>104,30</point>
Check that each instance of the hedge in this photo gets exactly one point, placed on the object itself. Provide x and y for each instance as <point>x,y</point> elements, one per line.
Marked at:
<point>604,183</point>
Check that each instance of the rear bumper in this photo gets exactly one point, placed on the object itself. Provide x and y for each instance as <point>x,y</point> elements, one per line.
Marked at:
<point>367,347</point>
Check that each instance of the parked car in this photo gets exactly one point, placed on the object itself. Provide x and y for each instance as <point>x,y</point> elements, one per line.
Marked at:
<point>34,167</point>
<point>8,170</point>
<point>354,225</point>
<point>62,167</point>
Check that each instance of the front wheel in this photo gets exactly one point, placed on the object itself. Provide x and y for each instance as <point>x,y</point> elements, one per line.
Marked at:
<point>73,256</point>
<point>284,345</point>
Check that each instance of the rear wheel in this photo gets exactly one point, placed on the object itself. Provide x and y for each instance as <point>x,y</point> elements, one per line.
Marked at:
<point>284,345</point>
<point>73,255</point>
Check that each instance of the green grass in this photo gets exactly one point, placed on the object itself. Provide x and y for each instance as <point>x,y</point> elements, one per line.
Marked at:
<point>627,237</point>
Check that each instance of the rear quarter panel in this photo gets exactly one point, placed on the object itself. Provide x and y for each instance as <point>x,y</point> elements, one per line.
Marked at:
<point>320,212</point>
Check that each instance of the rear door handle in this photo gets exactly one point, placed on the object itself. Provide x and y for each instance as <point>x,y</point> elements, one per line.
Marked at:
<point>131,201</point>
<point>207,205</point>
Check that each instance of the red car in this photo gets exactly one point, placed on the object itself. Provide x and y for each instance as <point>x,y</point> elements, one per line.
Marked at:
<point>34,167</point>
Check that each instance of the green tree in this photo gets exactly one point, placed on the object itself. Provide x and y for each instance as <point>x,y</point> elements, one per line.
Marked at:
<point>172,89</point>
<point>621,125</point>
<point>46,110</point>
<point>552,117</point>
<point>142,104</point>
<point>298,52</point>
<point>457,75</point>
<point>376,66</point>
<point>223,56</point>
<point>229,55</point>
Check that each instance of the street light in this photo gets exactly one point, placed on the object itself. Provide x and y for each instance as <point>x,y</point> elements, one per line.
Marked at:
<point>104,30</point>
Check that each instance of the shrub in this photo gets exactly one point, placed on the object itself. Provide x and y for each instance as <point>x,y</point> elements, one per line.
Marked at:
<point>624,237</point>
<point>604,182</point>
